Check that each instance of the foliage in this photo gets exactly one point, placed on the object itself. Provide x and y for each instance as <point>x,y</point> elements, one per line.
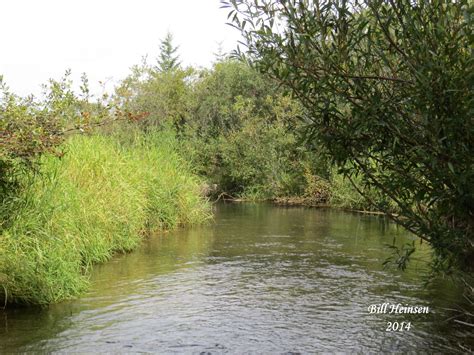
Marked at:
<point>162,95</point>
<point>258,155</point>
<point>83,207</point>
<point>240,131</point>
<point>239,136</point>
<point>388,91</point>
<point>26,131</point>
<point>217,92</point>
<point>344,195</point>
<point>168,60</point>
<point>317,190</point>
<point>30,127</point>
<point>232,122</point>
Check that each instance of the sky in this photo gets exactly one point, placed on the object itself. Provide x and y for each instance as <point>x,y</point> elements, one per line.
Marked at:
<point>103,38</point>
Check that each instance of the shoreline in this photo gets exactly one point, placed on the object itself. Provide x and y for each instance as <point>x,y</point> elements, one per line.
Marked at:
<point>296,202</point>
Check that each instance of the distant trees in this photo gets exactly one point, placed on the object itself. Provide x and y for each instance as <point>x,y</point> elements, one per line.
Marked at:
<point>239,128</point>
<point>168,59</point>
<point>160,90</point>
<point>232,121</point>
<point>239,134</point>
<point>387,86</point>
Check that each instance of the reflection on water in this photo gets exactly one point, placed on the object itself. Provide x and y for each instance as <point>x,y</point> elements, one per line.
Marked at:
<point>260,279</point>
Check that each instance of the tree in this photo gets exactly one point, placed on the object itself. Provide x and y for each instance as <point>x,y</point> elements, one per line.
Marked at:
<point>238,132</point>
<point>220,55</point>
<point>388,90</point>
<point>168,60</point>
<point>219,89</point>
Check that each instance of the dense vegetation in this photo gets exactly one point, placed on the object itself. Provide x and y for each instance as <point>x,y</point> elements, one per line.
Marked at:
<point>70,202</point>
<point>98,199</point>
<point>366,106</point>
<point>240,130</point>
<point>387,88</point>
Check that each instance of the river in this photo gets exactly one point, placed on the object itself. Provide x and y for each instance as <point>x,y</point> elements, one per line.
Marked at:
<point>259,278</point>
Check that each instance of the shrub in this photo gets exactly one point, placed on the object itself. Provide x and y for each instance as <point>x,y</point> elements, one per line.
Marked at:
<point>388,91</point>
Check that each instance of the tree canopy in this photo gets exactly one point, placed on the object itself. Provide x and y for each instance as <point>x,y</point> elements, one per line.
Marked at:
<point>387,87</point>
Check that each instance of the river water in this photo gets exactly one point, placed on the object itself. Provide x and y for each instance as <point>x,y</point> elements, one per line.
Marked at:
<point>259,278</point>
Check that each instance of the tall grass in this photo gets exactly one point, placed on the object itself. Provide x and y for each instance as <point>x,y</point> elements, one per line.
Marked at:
<point>97,200</point>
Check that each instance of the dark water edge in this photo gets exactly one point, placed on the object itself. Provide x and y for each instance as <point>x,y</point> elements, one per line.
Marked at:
<point>259,279</point>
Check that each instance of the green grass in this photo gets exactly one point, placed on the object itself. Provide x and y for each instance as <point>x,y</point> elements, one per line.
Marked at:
<point>97,200</point>
<point>344,195</point>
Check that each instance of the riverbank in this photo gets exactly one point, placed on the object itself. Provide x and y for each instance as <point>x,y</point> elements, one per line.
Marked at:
<point>260,279</point>
<point>308,202</point>
<point>100,198</point>
<point>343,204</point>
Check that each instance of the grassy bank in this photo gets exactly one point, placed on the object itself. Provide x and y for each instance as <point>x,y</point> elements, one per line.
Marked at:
<point>97,200</point>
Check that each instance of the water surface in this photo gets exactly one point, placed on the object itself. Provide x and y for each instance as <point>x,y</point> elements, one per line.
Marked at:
<point>259,279</point>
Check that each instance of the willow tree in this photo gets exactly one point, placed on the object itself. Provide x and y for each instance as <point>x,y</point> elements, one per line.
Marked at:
<point>388,90</point>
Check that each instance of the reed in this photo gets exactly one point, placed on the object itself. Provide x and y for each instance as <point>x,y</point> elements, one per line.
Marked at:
<point>99,199</point>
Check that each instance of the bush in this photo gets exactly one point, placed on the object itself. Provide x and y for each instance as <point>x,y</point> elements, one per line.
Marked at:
<point>239,136</point>
<point>31,127</point>
<point>345,195</point>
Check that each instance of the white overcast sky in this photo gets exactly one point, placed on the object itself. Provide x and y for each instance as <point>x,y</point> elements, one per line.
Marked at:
<point>103,38</point>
